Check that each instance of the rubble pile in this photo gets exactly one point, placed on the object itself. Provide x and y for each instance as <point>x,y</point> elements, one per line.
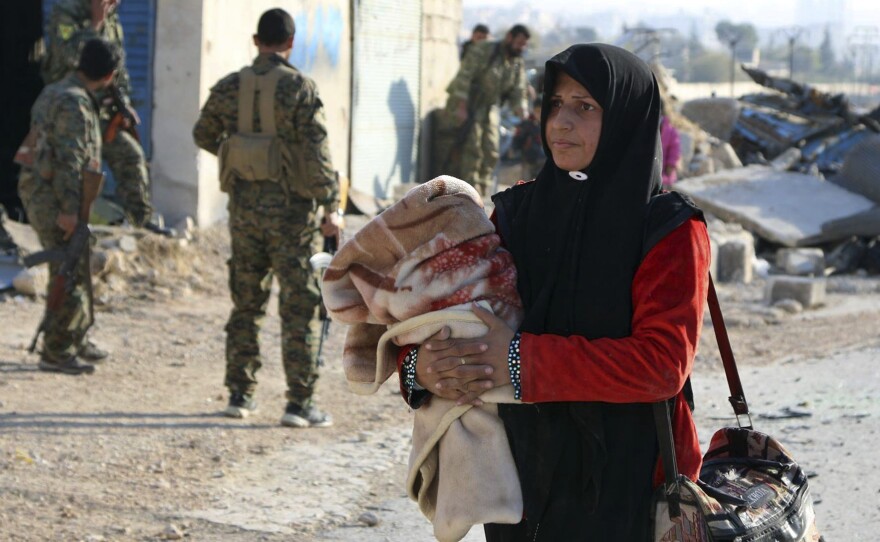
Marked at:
<point>797,169</point>
<point>149,266</point>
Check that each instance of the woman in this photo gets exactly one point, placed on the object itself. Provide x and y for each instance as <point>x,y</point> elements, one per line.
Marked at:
<point>613,277</point>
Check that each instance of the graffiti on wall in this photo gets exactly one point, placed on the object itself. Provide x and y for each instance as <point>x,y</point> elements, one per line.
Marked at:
<point>319,32</point>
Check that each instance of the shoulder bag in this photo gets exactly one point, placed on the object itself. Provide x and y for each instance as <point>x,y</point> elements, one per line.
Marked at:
<point>750,489</point>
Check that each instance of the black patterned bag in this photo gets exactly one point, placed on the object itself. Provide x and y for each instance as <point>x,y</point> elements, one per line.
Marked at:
<point>750,489</point>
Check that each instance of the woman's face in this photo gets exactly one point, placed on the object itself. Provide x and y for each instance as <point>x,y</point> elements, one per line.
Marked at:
<point>573,125</point>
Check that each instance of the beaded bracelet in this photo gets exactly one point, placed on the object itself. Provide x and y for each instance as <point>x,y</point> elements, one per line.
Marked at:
<point>409,369</point>
<point>513,365</point>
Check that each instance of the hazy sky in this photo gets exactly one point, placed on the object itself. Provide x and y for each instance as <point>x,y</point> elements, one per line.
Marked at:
<point>759,12</point>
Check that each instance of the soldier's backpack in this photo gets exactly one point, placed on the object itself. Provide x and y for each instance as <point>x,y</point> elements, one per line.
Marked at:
<point>255,156</point>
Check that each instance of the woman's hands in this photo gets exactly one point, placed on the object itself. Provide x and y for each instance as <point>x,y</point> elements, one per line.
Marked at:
<point>462,369</point>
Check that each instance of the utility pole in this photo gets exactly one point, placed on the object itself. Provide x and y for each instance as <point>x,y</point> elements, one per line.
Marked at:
<point>792,34</point>
<point>731,42</point>
<point>863,47</point>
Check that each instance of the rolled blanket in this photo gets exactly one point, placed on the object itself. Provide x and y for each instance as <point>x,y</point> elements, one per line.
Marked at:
<point>405,275</point>
<point>433,249</point>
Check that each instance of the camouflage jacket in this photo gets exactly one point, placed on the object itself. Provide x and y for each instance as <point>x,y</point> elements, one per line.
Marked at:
<point>70,26</point>
<point>65,119</point>
<point>488,77</point>
<point>299,120</point>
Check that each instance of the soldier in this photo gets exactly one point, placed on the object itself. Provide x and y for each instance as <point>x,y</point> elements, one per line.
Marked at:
<point>71,23</point>
<point>478,34</point>
<point>491,74</point>
<point>266,125</point>
<point>66,128</point>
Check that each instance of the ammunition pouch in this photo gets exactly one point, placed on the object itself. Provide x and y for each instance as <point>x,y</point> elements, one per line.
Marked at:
<point>250,157</point>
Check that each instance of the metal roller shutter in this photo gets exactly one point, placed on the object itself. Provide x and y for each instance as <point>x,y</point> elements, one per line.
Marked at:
<point>138,19</point>
<point>385,95</point>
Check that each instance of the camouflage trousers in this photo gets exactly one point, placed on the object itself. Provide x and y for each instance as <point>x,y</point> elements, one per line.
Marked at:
<point>474,159</point>
<point>65,329</point>
<point>272,238</point>
<point>127,161</point>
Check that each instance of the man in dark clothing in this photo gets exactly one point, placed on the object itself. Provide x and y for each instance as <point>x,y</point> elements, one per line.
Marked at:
<point>478,34</point>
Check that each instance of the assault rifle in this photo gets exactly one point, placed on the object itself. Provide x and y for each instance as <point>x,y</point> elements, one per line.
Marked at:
<point>122,117</point>
<point>70,256</point>
<point>320,262</point>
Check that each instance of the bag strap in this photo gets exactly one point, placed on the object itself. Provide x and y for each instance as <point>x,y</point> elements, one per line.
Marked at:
<point>667,454</point>
<point>737,395</point>
<point>247,87</point>
<point>267,84</point>
<point>663,419</point>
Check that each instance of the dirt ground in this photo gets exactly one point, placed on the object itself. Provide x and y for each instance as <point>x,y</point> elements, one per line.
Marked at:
<point>138,451</point>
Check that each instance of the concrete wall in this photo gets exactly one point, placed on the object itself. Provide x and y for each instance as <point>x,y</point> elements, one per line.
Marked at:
<point>441,21</point>
<point>200,41</point>
<point>177,96</point>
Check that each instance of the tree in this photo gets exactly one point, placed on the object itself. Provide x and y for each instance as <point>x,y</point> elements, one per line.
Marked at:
<point>741,38</point>
<point>709,67</point>
<point>827,60</point>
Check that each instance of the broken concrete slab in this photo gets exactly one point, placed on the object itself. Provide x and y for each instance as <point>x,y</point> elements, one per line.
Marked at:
<point>716,116</point>
<point>809,292</point>
<point>780,206</point>
<point>864,224</point>
<point>861,169</point>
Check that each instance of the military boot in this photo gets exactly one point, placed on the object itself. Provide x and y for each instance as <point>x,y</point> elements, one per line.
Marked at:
<point>308,416</point>
<point>68,366</point>
<point>89,351</point>
<point>241,405</point>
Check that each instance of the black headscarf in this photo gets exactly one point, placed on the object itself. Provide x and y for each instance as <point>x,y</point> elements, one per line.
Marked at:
<point>577,245</point>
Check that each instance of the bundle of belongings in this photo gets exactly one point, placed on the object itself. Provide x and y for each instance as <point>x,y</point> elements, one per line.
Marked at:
<point>415,268</point>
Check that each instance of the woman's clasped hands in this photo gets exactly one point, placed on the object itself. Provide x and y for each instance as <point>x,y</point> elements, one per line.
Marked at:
<point>463,369</point>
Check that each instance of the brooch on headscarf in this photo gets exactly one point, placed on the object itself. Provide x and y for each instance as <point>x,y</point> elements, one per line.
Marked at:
<point>578,175</point>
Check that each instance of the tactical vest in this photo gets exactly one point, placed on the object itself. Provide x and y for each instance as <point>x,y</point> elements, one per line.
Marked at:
<point>256,156</point>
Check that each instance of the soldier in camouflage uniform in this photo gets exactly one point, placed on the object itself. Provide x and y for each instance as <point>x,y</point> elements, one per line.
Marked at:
<point>492,73</point>
<point>65,121</point>
<point>72,23</point>
<point>273,223</point>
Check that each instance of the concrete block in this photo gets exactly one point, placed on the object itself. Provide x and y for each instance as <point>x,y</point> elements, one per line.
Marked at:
<point>809,292</point>
<point>801,261</point>
<point>735,258</point>
<point>725,157</point>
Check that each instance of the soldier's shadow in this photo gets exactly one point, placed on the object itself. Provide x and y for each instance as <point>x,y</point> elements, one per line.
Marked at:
<point>17,367</point>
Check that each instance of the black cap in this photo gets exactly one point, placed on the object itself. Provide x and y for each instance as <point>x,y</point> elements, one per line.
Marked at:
<point>275,27</point>
<point>98,59</point>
